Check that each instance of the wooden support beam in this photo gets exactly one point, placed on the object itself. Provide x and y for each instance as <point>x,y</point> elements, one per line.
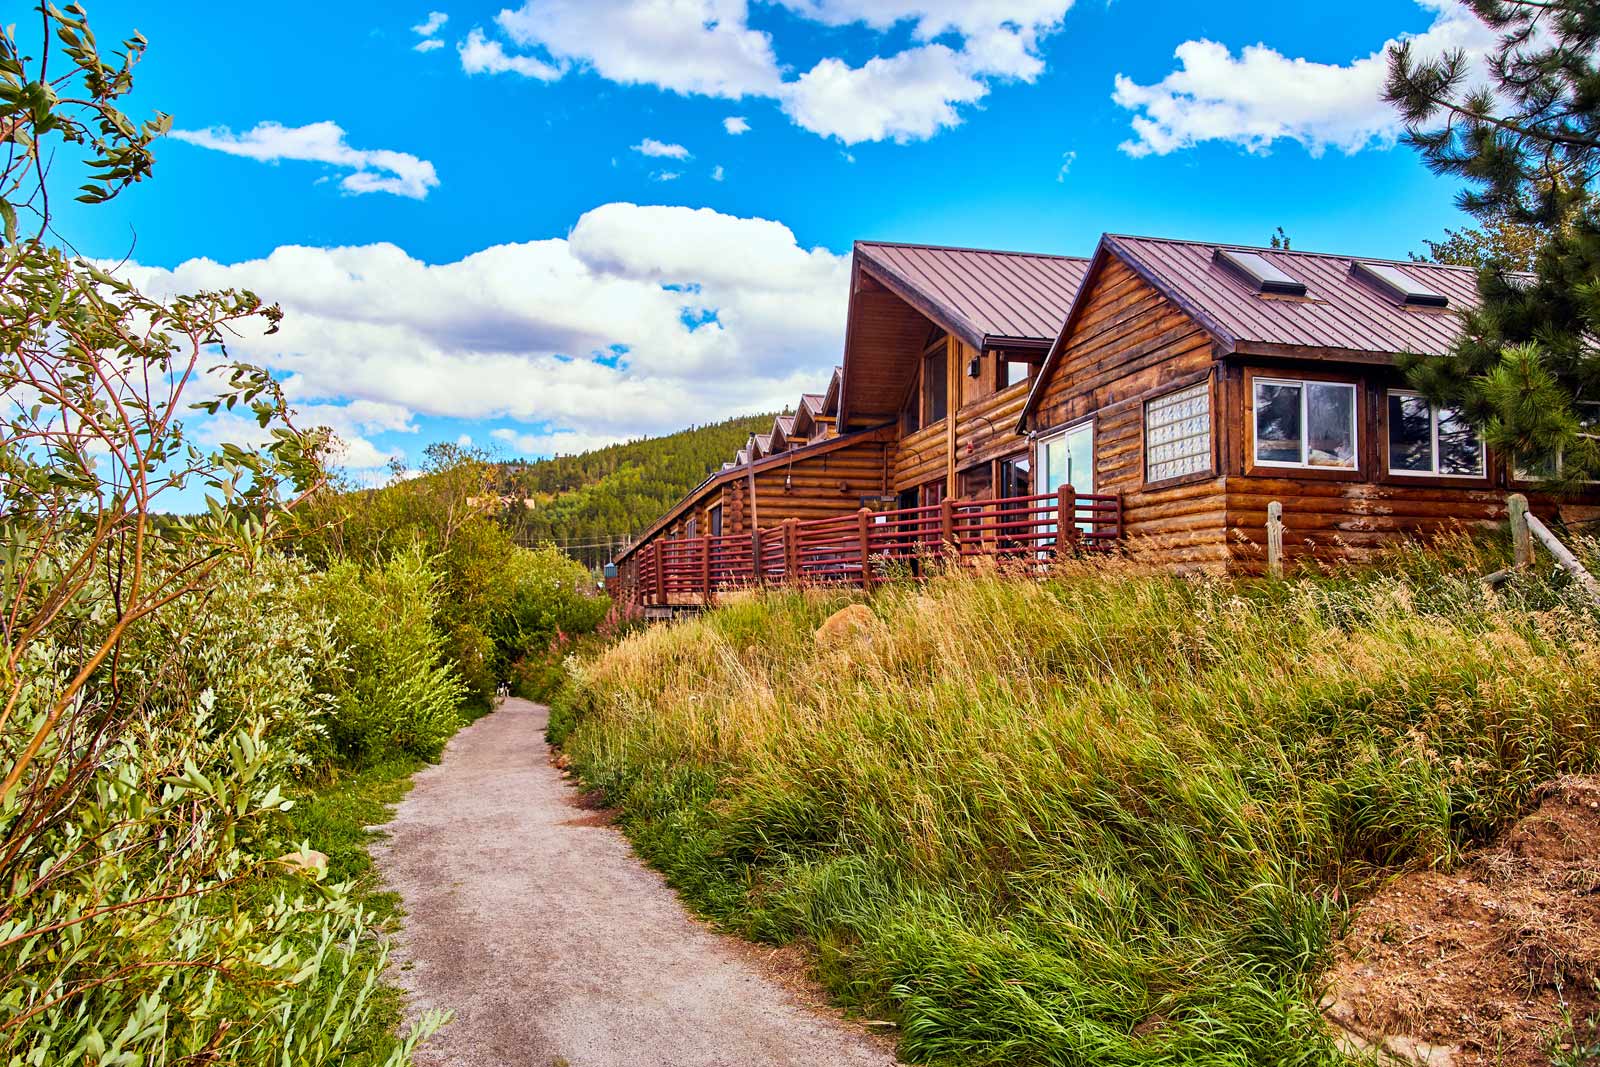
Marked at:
<point>948,538</point>
<point>864,535</point>
<point>1275,539</point>
<point>791,551</point>
<point>757,571</point>
<point>1066,528</point>
<point>705,570</point>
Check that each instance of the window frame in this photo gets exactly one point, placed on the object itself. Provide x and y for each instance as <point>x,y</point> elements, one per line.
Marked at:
<point>940,351</point>
<point>1210,471</point>
<point>1304,468</point>
<point>1521,476</point>
<point>714,520</point>
<point>1433,420</point>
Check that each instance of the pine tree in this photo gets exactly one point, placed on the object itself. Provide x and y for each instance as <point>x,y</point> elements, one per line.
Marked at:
<point>1527,141</point>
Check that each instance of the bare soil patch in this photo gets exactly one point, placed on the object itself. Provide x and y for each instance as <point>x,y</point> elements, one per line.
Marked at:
<point>1496,963</point>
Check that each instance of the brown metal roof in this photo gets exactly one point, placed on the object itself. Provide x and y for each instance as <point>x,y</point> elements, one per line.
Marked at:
<point>1338,311</point>
<point>987,297</point>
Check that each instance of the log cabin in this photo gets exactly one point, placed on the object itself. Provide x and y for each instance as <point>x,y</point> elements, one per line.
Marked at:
<point>1202,382</point>
<point>940,347</point>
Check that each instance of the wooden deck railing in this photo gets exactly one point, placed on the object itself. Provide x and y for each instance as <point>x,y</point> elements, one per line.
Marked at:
<point>865,547</point>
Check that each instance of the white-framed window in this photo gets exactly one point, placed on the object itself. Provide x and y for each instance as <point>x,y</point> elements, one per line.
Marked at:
<point>1177,433</point>
<point>1304,423</point>
<point>1425,438</point>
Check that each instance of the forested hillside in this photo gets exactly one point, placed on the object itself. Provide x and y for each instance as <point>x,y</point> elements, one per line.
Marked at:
<point>591,502</point>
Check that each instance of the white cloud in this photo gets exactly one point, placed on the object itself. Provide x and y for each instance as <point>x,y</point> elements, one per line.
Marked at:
<point>1067,160</point>
<point>701,47</point>
<point>665,175</point>
<point>707,48</point>
<point>1262,96</point>
<point>559,442</point>
<point>431,25</point>
<point>652,147</point>
<point>479,55</point>
<point>429,45</point>
<point>464,441</point>
<point>909,96</point>
<point>717,173</point>
<point>641,319</point>
<point>372,170</point>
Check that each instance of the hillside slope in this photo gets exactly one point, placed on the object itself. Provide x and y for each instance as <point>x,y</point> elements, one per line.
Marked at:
<point>1112,817</point>
<point>590,502</point>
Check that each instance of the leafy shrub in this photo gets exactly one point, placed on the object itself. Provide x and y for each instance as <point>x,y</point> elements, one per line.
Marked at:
<point>394,691</point>
<point>1114,817</point>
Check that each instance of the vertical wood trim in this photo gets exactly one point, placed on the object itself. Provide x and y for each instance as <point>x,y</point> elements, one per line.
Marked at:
<point>750,482</point>
<point>952,401</point>
<point>864,533</point>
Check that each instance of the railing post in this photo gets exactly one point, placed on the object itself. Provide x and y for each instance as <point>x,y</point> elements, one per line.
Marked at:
<point>1521,536</point>
<point>757,572</point>
<point>661,575</point>
<point>1066,527</point>
<point>705,570</point>
<point>947,527</point>
<point>791,551</point>
<point>1275,539</point>
<point>864,533</point>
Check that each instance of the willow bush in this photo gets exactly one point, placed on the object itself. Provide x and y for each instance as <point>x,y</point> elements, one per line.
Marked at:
<point>1112,817</point>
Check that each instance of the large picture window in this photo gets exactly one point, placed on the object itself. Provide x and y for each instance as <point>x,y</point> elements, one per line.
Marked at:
<point>1305,423</point>
<point>1425,438</point>
<point>1177,433</point>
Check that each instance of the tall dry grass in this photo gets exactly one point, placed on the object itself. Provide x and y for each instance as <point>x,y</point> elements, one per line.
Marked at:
<point>1112,817</point>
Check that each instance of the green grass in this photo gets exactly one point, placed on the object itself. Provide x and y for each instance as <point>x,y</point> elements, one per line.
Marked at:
<point>333,819</point>
<point>1112,818</point>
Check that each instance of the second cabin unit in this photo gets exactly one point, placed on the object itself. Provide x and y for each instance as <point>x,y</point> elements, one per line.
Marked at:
<point>1203,382</point>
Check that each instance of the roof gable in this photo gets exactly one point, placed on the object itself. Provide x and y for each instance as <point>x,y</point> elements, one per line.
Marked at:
<point>1341,312</point>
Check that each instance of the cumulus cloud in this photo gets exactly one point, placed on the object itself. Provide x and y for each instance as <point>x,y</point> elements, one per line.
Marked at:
<point>553,443</point>
<point>431,25</point>
<point>371,170</point>
<point>1261,96</point>
<point>701,47</point>
<point>479,55</point>
<point>652,147</point>
<point>707,48</point>
<point>641,319</point>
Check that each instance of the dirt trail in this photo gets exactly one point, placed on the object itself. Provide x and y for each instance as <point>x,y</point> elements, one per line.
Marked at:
<point>536,924</point>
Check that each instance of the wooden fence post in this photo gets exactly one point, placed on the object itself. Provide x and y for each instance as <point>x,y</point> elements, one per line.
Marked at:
<point>661,575</point>
<point>947,526</point>
<point>757,572</point>
<point>864,533</point>
<point>1066,527</point>
<point>1564,556</point>
<point>705,570</point>
<point>791,551</point>
<point>1275,539</point>
<point>1521,536</point>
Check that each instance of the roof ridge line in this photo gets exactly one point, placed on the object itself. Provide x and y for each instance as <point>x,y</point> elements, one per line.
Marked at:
<point>976,251</point>
<point>1289,251</point>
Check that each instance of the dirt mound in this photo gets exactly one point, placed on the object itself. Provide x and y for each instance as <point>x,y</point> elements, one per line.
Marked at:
<point>1495,963</point>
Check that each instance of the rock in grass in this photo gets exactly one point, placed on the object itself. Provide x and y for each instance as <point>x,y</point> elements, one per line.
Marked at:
<point>853,624</point>
<point>306,861</point>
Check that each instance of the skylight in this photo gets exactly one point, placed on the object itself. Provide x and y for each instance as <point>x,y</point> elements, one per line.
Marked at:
<point>1401,286</point>
<point>1258,272</point>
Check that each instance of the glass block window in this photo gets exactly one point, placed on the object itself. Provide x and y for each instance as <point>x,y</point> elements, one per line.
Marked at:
<point>1177,433</point>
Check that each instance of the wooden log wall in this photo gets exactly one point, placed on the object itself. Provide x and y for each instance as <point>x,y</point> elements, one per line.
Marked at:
<point>1130,344</point>
<point>822,486</point>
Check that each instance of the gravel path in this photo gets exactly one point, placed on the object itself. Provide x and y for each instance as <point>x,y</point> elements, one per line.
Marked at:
<point>555,946</point>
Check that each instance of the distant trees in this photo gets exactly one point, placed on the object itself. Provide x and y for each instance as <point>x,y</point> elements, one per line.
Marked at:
<point>590,502</point>
<point>1527,141</point>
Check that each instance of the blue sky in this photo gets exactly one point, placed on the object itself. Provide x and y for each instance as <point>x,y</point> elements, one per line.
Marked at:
<point>550,225</point>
